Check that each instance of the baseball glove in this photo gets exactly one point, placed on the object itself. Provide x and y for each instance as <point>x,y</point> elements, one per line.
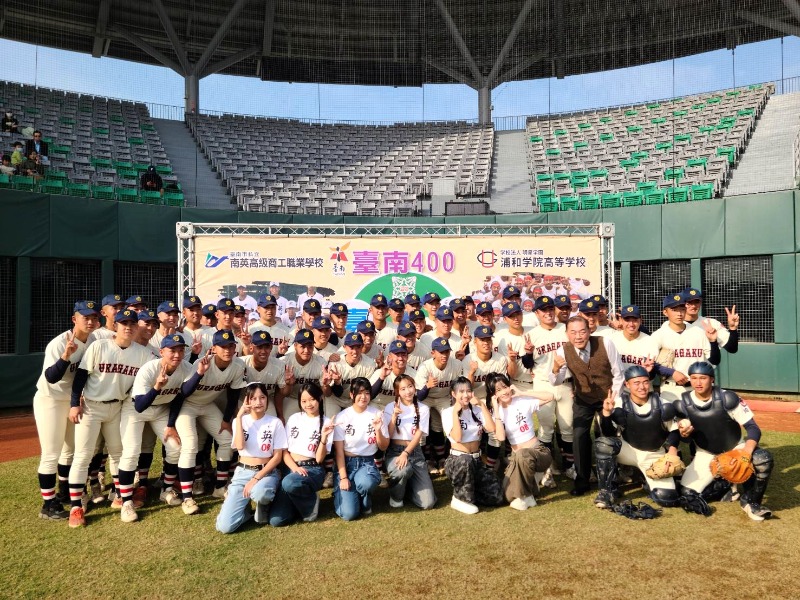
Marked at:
<point>666,466</point>
<point>733,466</point>
<point>666,357</point>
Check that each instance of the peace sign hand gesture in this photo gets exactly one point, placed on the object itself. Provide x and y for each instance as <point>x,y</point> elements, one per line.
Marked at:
<point>71,346</point>
<point>288,376</point>
<point>162,379</point>
<point>711,333</point>
<point>733,318</point>
<point>608,404</point>
<point>204,363</point>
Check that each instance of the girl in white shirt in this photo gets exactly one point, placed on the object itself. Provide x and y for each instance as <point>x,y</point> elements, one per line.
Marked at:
<point>464,423</point>
<point>310,435</point>
<point>260,440</point>
<point>513,417</point>
<point>405,463</point>
<point>359,433</point>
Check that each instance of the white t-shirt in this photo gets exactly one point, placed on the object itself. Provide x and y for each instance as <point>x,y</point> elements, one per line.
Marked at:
<point>301,299</point>
<point>145,380</point>
<point>214,381</point>
<point>386,395</point>
<point>112,369</point>
<point>249,303</point>
<point>518,419</point>
<point>262,437</point>
<point>356,431</point>
<point>62,389</point>
<point>471,430</point>
<point>305,434</point>
<point>407,422</point>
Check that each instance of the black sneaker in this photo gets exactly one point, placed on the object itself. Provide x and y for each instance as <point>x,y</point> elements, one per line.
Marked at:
<point>756,512</point>
<point>53,511</point>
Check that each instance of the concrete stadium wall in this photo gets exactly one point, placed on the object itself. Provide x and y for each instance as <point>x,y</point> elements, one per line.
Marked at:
<point>38,225</point>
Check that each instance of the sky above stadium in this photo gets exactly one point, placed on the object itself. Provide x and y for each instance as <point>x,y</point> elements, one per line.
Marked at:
<point>752,63</point>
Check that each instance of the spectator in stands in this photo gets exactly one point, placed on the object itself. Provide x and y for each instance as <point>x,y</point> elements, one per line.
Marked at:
<point>311,294</point>
<point>10,123</point>
<point>40,146</point>
<point>248,302</point>
<point>290,317</point>
<point>151,181</point>
<point>6,168</point>
<point>17,155</point>
<point>32,166</point>
<point>275,290</point>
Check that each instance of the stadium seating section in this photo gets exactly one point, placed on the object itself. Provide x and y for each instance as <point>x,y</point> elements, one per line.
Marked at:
<point>98,146</point>
<point>655,153</point>
<point>277,165</point>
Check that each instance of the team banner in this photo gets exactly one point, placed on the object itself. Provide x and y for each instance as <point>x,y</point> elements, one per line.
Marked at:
<point>353,269</point>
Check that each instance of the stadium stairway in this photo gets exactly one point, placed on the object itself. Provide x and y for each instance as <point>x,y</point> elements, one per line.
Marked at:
<point>201,186</point>
<point>767,164</point>
<point>511,183</point>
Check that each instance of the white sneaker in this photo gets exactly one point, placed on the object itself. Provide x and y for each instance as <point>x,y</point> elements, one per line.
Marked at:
<point>314,514</point>
<point>198,487</point>
<point>530,501</point>
<point>262,513</point>
<point>395,503</point>
<point>464,507</point>
<point>519,504</point>
<point>547,480</point>
<point>328,483</point>
<point>170,497</point>
<point>189,507</point>
<point>220,492</point>
<point>571,473</point>
<point>128,512</point>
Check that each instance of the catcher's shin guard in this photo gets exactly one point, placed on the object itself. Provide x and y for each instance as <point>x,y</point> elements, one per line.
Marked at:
<point>755,487</point>
<point>665,497</point>
<point>605,451</point>
<point>716,490</point>
<point>693,502</point>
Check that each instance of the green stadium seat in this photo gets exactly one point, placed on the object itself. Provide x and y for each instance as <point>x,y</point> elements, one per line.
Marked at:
<point>584,125</point>
<point>141,167</point>
<point>606,137</point>
<point>677,194</point>
<point>66,121</point>
<point>548,205</point>
<point>55,175</point>
<point>100,162</point>
<point>174,199</point>
<point>60,149</point>
<point>631,112</point>
<point>680,113</point>
<point>544,177</point>
<point>116,119</point>
<point>611,200</point>
<point>562,176</point>
<point>570,203</point>
<point>560,132</point>
<point>25,184</point>
<point>713,100</point>
<point>655,196</point>
<point>150,198</point>
<point>52,187</point>
<point>135,141</point>
<point>536,139</point>
<point>127,174</point>
<point>590,202</point>
<point>163,170</point>
<point>703,191</point>
<point>746,112</point>
<point>683,138</point>
<point>580,181</point>
<point>103,192</point>
<point>663,146</point>
<point>674,173</point>
<point>606,119</point>
<point>598,174</point>
<point>100,130</point>
<point>79,190</point>
<point>5,181</point>
<point>147,127</point>
<point>755,86</point>
<point>545,195</point>
<point>658,121</point>
<point>552,152</point>
<point>727,151</point>
<point>122,164</point>
<point>126,194</point>
<point>628,163</point>
<point>580,144</point>
<point>640,155</point>
<point>699,106</point>
<point>733,93</point>
<point>697,162</point>
<point>646,186</point>
<point>653,105</point>
<point>634,128</point>
<point>705,129</point>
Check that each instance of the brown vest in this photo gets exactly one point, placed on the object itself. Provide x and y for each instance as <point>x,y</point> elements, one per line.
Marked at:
<point>592,380</point>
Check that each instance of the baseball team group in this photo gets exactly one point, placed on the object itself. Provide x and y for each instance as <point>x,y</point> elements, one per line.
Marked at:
<point>263,415</point>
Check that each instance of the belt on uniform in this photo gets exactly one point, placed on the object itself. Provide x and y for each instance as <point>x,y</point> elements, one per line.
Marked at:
<point>104,401</point>
<point>311,462</point>
<point>460,453</point>
<point>252,467</point>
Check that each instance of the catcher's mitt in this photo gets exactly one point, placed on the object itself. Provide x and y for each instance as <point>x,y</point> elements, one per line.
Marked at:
<point>666,357</point>
<point>734,466</point>
<point>666,466</point>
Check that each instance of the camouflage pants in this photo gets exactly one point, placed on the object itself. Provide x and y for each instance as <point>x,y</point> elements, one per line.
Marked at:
<point>473,481</point>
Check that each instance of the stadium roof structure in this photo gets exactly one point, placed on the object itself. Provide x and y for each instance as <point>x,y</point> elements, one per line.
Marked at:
<point>481,43</point>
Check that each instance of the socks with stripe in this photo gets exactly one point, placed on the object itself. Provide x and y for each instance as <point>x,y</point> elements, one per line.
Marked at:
<point>47,486</point>
<point>186,477</point>
<point>125,485</point>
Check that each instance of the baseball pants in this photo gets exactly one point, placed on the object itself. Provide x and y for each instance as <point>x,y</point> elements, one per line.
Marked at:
<point>698,475</point>
<point>132,426</point>
<point>56,432</point>
<point>210,419</point>
<point>437,405</point>
<point>558,411</point>
<point>642,459</point>
<point>97,417</point>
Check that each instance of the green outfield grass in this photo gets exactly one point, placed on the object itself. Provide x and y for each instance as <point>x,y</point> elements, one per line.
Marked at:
<point>564,548</point>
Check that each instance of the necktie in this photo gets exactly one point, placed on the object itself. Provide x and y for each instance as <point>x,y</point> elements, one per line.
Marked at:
<point>585,355</point>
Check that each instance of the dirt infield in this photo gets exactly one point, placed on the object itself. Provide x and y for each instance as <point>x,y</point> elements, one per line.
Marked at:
<point>18,432</point>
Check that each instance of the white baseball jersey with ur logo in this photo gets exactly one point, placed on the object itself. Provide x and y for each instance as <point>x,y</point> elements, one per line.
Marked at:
<point>311,371</point>
<point>145,381</point>
<point>452,371</point>
<point>112,369</point>
<point>215,380</point>
<point>62,389</point>
<point>272,375</point>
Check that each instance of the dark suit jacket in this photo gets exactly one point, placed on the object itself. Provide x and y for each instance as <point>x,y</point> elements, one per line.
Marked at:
<point>43,150</point>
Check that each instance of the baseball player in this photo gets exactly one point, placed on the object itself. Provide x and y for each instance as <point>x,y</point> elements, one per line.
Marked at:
<point>321,327</point>
<point>484,317</point>
<point>512,293</point>
<point>155,388</point>
<point>589,309</point>
<point>104,380</point>
<point>684,346</point>
<point>385,332</point>
<point>51,407</point>
<point>110,306</point>
<point>260,369</point>
<point>431,302</point>
<point>136,303</point>
<point>512,343</point>
<point>477,365</point>
<point>634,347</point>
<point>444,328</point>
<point>146,328</point>
<point>412,302</point>
<point>715,421</point>
<point>382,379</point>
<point>338,316</point>
<point>224,316</point>
<point>727,338</point>
<point>311,310</point>
<point>303,366</point>
<point>267,310</point>
<point>646,424</point>
<point>193,328</point>
<point>168,318</point>
<point>397,310</point>
<point>289,317</point>
<point>209,318</point>
<point>220,370</point>
<point>407,333</point>
<point>563,308</point>
<point>275,290</point>
<point>460,322</point>
<point>367,331</point>
<point>354,365</point>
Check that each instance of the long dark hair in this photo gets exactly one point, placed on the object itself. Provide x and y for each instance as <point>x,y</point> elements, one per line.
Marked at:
<point>360,384</point>
<point>315,392</point>
<point>492,379</point>
<point>397,382</point>
<point>251,388</point>
<point>463,381</point>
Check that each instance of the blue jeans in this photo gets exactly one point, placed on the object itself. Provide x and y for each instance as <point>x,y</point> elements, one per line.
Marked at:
<point>364,478</point>
<point>414,476</point>
<point>296,497</point>
<point>234,510</point>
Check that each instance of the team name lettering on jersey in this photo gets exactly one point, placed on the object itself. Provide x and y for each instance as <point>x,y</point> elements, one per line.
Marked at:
<point>629,359</point>
<point>118,368</point>
<point>211,388</point>
<point>689,353</point>
<point>546,348</point>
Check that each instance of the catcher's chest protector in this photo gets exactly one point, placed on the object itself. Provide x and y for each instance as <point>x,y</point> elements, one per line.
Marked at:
<point>644,432</point>
<point>714,430</point>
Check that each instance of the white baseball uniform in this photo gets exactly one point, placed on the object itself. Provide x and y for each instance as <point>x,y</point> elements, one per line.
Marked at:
<point>386,395</point>
<point>310,372</point>
<point>689,346</point>
<point>438,397</point>
<point>545,343</point>
<point>272,376</point>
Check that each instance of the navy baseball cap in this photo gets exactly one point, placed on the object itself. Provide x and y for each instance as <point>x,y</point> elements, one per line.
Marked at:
<point>147,315</point>
<point>85,307</point>
<point>367,327</point>
<point>412,299</point>
<point>126,315</point>
<point>483,332</point>
<point>397,304</point>
<point>543,302</point>
<point>483,308</point>
<point>416,315</point>
<point>398,347</point>
<point>701,368</point>
<point>304,336</point>
<point>457,304</point>
<point>209,310</point>
<point>562,301</point>
<point>468,300</point>
<point>510,308</point>
<point>635,371</point>
<point>312,307</point>
<point>631,310</point>
<point>406,329</point>
<point>112,300</point>
<point>262,338</point>
<point>225,304</point>
<point>339,309</point>
<point>321,323</point>
<point>353,339</point>
<point>170,341</point>
<point>441,344</point>
<point>600,300</point>
<point>378,300</point>
<point>134,300</point>
<point>443,313</point>
<point>168,307</point>
<point>589,306</point>
<point>191,302</point>
<point>431,297</point>
<point>267,300</point>
<point>693,294</point>
<point>511,291</point>
<point>238,309</point>
<point>223,337</point>
<point>673,300</point>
